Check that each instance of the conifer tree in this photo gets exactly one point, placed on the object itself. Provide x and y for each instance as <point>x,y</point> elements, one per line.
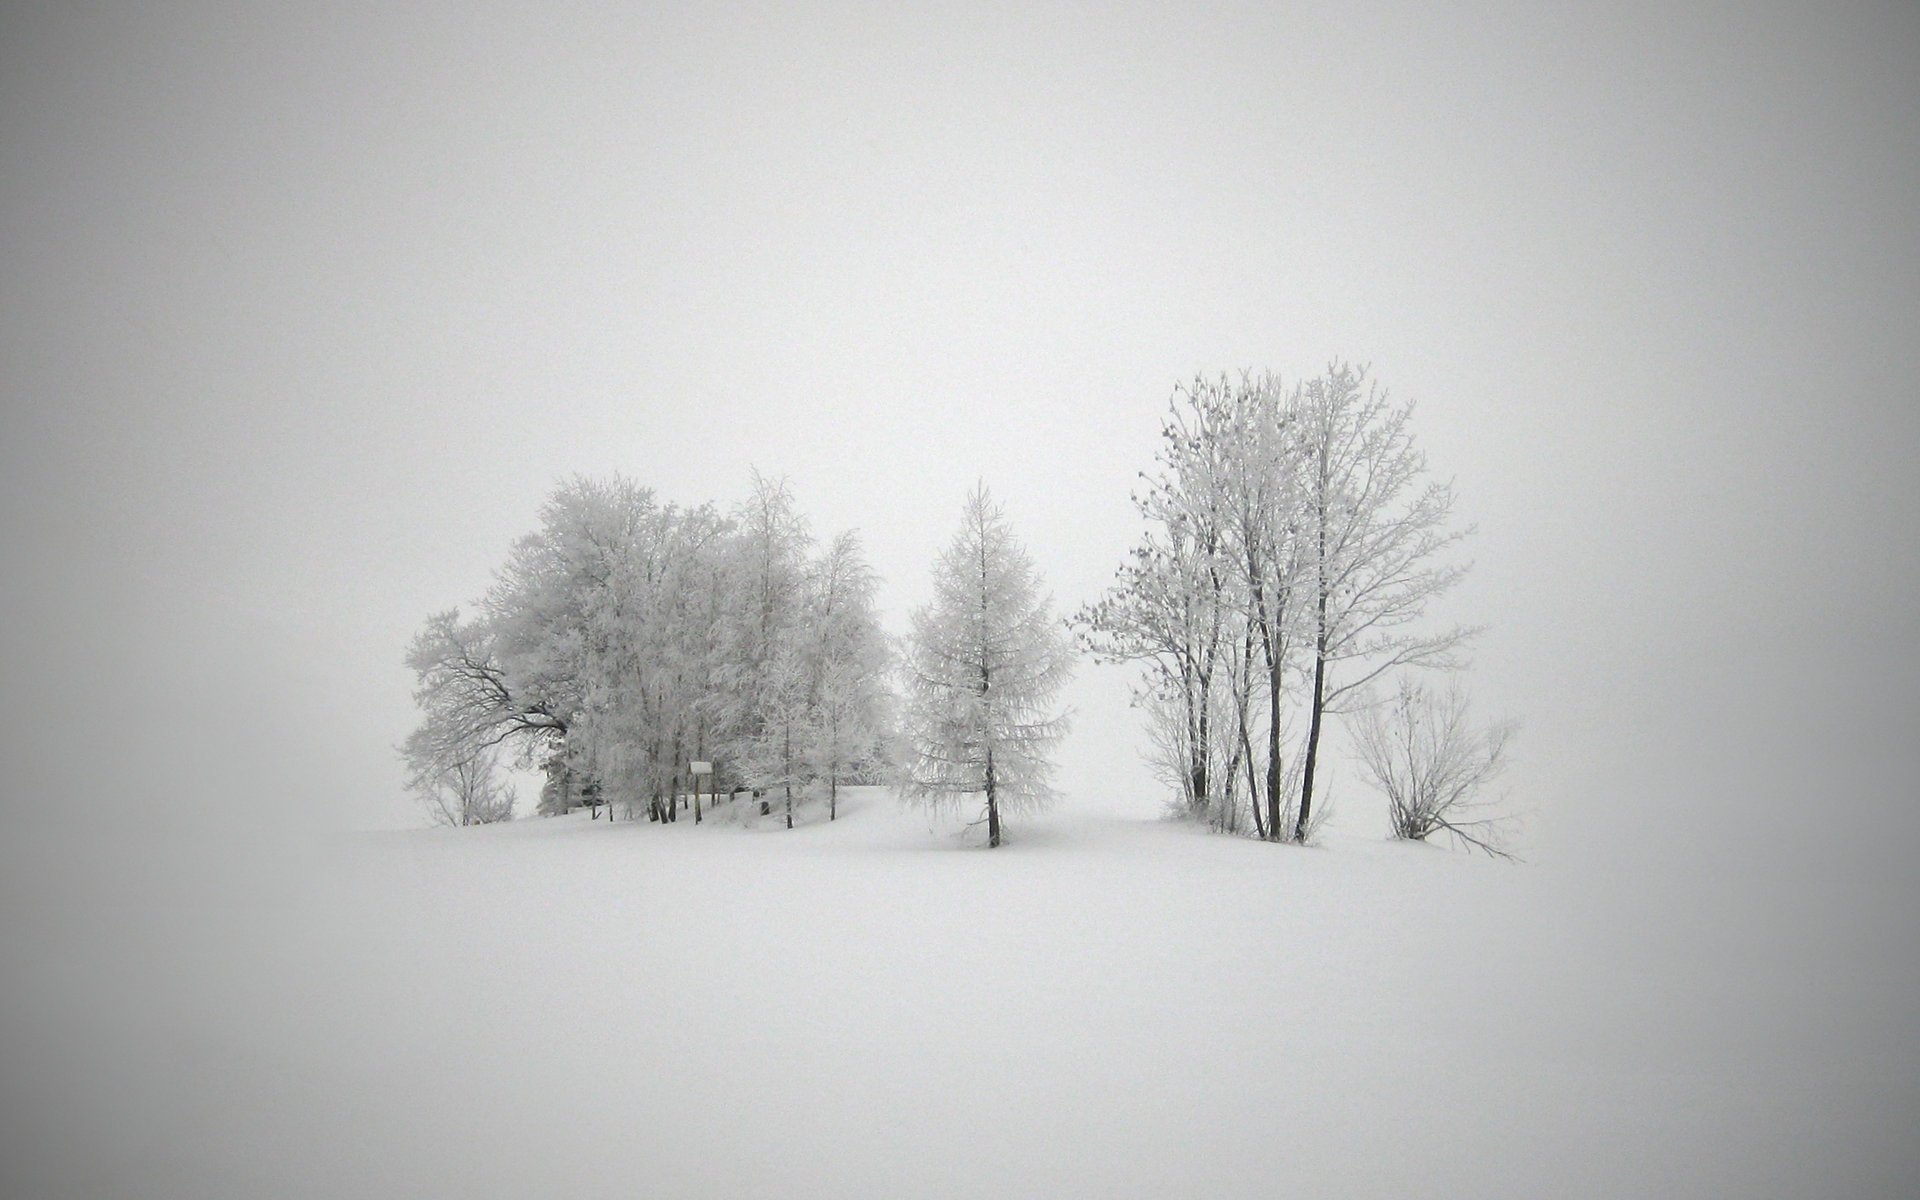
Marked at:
<point>986,659</point>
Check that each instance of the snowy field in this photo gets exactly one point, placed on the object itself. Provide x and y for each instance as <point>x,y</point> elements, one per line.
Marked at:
<point>1103,1007</point>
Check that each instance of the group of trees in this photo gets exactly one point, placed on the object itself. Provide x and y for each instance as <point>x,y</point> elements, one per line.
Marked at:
<point>1292,545</point>
<point>625,638</point>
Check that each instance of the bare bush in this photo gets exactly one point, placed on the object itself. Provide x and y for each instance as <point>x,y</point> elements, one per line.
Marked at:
<point>1421,751</point>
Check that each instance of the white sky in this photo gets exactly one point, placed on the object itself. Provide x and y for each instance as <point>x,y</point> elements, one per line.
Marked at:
<point>303,311</point>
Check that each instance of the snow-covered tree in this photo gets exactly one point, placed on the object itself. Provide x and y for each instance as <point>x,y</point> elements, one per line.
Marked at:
<point>767,593</point>
<point>468,702</point>
<point>626,637</point>
<point>541,608</point>
<point>777,757</point>
<point>1260,497</point>
<point>465,791</point>
<point>822,698</point>
<point>1374,547</point>
<point>1290,553</point>
<point>627,661</point>
<point>704,589</point>
<point>1199,582</point>
<point>1422,751</point>
<point>850,698</point>
<point>595,642</point>
<point>1210,599</point>
<point>986,660</point>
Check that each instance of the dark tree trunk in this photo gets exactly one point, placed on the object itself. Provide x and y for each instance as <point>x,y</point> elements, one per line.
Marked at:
<point>1273,748</point>
<point>1246,758</point>
<point>1201,751</point>
<point>1319,660</point>
<point>1313,744</point>
<point>993,807</point>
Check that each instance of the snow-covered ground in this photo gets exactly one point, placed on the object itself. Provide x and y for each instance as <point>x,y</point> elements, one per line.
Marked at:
<point>875,1007</point>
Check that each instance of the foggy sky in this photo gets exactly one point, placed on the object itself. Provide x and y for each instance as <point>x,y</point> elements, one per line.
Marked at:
<point>305,310</point>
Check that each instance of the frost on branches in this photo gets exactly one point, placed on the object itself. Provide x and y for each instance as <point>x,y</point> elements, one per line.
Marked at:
<point>1292,545</point>
<point>985,660</point>
<point>465,791</point>
<point>626,637</point>
<point>1423,752</point>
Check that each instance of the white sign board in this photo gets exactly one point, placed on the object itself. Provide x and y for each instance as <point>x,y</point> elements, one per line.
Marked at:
<point>702,768</point>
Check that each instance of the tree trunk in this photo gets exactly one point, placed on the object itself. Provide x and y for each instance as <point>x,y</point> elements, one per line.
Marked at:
<point>833,795</point>
<point>1200,752</point>
<point>1313,742</point>
<point>1273,748</point>
<point>993,807</point>
<point>1319,662</point>
<point>1246,757</point>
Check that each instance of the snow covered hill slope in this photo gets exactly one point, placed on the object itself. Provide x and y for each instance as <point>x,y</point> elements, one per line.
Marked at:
<point>879,1008</point>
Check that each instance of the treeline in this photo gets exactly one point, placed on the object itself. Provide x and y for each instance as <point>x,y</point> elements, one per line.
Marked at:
<point>626,638</point>
<point>1292,545</point>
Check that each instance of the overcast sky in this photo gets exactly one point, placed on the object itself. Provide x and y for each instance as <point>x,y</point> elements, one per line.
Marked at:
<point>303,310</point>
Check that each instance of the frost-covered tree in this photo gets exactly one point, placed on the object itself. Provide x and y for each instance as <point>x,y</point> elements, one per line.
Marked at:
<point>986,660</point>
<point>1374,544</point>
<point>1260,498</point>
<point>1210,599</point>
<point>850,701</point>
<point>703,592</point>
<point>1290,553</point>
<point>629,661</point>
<point>541,610</point>
<point>1422,751</point>
<point>469,703</point>
<point>767,594</point>
<point>591,649</point>
<point>626,637</point>
<point>465,791</point>
<point>777,757</point>
<point>822,699</point>
<point>1169,606</point>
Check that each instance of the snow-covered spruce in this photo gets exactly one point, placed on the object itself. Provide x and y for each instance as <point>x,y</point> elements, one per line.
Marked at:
<point>986,659</point>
